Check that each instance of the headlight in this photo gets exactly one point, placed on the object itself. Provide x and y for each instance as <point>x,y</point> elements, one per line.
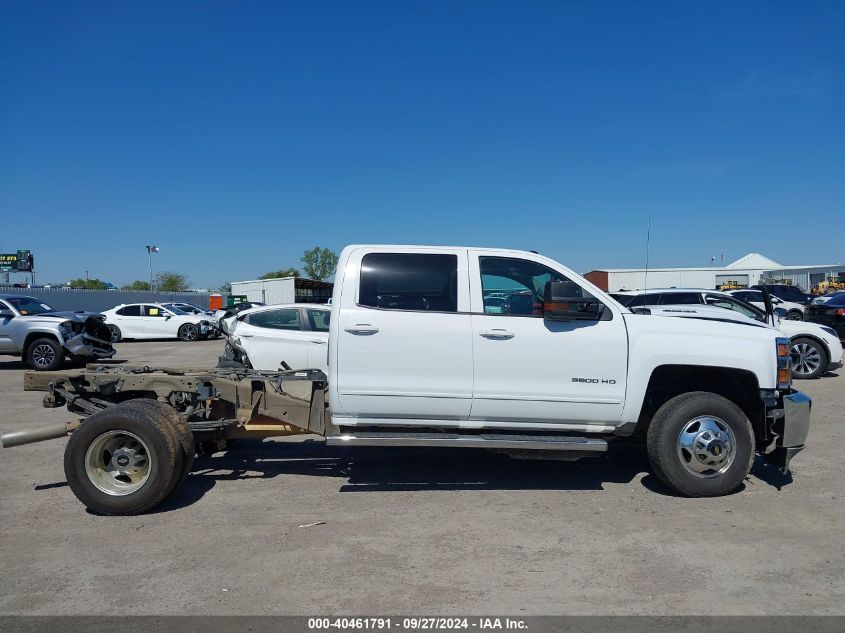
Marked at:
<point>66,330</point>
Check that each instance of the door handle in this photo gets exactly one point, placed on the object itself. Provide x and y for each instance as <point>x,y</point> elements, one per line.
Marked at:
<point>362,328</point>
<point>497,334</point>
<point>246,335</point>
<point>318,341</point>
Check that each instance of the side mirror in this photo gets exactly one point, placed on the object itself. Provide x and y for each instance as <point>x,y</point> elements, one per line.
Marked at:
<point>562,302</point>
<point>5,313</point>
<point>776,301</point>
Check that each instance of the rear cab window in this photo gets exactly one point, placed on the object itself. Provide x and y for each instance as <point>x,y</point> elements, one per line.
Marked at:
<point>426,282</point>
<point>318,320</point>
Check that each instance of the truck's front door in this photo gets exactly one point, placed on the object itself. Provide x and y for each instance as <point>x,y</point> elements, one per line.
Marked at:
<point>404,344</point>
<point>530,369</point>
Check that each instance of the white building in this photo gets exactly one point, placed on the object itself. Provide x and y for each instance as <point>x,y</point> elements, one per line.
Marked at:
<point>746,271</point>
<point>284,290</point>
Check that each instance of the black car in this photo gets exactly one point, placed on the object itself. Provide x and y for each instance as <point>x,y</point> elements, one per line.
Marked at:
<point>787,293</point>
<point>831,314</point>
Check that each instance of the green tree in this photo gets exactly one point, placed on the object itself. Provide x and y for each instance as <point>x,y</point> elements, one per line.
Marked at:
<point>171,282</point>
<point>278,274</point>
<point>88,284</point>
<point>319,263</point>
<point>138,284</point>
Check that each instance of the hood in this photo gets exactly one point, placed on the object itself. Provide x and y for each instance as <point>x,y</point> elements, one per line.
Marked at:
<point>52,317</point>
<point>712,313</point>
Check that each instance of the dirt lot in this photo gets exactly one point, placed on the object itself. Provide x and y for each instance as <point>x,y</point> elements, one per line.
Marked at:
<point>420,531</point>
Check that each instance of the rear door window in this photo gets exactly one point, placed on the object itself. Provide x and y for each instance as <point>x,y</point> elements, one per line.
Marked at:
<point>409,281</point>
<point>130,311</point>
<point>284,319</point>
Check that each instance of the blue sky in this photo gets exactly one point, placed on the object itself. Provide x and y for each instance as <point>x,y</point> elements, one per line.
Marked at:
<point>235,135</point>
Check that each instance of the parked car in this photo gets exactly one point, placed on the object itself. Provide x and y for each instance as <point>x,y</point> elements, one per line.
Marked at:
<point>787,292</point>
<point>794,311</point>
<point>190,308</point>
<point>828,297</point>
<point>44,337</point>
<point>814,348</point>
<point>155,320</point>
<point>830,314</point>
<point>296,333</point>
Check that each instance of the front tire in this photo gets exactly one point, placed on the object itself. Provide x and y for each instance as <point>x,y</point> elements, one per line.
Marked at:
<point>188,332</point>
<point>45,354</point>
<point>700,444</point>
<point>794,315</point>
<point>122,460</point>
<point>809,358</point>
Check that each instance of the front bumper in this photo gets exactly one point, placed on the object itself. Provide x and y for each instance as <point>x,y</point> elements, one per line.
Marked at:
<point>84,346</point>
<point>788,422</point>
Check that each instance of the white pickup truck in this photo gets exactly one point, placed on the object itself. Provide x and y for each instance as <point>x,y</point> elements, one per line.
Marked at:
<point>460,347</point>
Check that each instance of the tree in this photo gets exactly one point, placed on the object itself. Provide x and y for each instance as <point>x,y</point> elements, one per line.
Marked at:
<point>138,284</point>
<point>88,284</point>
<point>171,282</point>
<point>279,274</point>
<point>319,263</point>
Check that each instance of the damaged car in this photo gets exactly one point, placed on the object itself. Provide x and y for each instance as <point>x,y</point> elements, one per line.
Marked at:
<point>44,337</point>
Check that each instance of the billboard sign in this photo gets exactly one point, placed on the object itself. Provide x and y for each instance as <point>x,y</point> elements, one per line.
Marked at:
<point>21,261</point>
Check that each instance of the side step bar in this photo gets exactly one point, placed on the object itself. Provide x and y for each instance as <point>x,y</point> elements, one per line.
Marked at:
<point>524,442</point>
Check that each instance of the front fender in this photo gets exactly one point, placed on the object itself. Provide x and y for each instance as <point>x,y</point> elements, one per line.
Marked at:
<point>656,341</point>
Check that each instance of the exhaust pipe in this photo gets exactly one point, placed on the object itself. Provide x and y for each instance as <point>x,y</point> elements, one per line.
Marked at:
<point>30,436</point>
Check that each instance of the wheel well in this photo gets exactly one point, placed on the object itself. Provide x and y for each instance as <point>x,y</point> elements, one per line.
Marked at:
<point>815,339</point>
<point>737,385</point>
<point>36,335</point>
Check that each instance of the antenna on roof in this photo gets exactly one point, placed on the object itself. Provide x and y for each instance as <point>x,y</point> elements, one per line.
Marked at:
<point>647,243</point>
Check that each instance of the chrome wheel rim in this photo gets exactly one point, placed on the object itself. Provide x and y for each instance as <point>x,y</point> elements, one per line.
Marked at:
<point>189,332</point>
<point>118,463</point>
<point>43,355</point>
<point>794,316</point>
<point>806,359</point>
<point>706,446</point>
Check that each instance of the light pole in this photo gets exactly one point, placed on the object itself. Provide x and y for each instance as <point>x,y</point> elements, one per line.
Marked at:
<point>150,250</point>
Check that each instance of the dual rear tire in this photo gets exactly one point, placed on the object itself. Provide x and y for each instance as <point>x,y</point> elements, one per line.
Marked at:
<point>129,457</point>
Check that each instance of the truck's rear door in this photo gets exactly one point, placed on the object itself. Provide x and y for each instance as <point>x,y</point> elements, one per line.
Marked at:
<point>403,345</point>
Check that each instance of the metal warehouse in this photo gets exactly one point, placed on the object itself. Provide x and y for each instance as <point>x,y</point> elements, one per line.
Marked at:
<point>284,290</point>
<point>746,271</point>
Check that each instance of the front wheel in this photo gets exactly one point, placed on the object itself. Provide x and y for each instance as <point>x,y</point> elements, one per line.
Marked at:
<point>45,354</point>
<point>188,332</point>
<point>809,358</point>
<point>700,444</point>
<point>794,315</point>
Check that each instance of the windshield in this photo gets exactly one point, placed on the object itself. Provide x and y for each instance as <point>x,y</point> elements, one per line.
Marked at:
<point>173,308</point>
<point>28,306</point>
<point>732,303</point>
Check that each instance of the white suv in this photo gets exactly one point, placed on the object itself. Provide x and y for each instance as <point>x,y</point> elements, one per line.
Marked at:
<point>156,320</point>
<point>815,348</point>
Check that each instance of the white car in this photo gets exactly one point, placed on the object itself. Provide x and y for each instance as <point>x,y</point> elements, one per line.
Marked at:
<point>794,311</point>
<point>295,333</point>
<point>815,348</point>
<point>155,320</point>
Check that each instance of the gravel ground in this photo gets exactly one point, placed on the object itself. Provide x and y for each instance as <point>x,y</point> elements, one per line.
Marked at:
<point>413,531</point>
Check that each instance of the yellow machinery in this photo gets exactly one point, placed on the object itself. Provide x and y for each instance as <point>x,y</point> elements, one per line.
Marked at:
<point>831,284</point>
